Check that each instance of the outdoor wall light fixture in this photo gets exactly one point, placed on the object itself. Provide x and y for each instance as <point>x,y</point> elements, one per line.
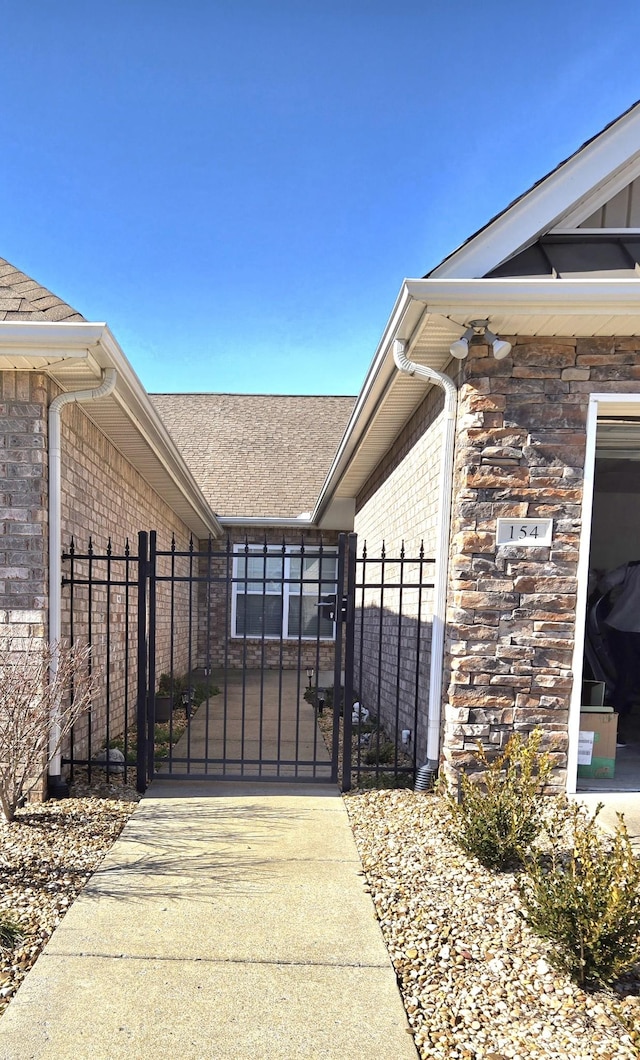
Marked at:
<point>460,347</point>
<point>310,673</point>
<point>478,329</point>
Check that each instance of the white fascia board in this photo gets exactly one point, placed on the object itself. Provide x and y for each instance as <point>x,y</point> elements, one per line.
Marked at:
<point>95,345</point>
<point>563,297</point>
<point>264,522</point>
<point>133,398</point>
<point>70,338</point>
<point>600,169</point>
<point>463,300</point>
<point>404,318</point>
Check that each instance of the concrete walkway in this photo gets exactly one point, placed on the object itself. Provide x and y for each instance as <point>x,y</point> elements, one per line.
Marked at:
<point>258,726</point>
<point>626,803</point>
<point>227,921</point>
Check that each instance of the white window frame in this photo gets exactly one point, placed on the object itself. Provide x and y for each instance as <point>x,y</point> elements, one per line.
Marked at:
<point>288,589</point>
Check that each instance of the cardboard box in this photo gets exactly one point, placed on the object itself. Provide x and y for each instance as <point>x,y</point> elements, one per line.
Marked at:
<point>593,693</point>
<point>597,746</point>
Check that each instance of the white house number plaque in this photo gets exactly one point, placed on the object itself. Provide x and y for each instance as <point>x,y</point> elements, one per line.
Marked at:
<point>527,533</point>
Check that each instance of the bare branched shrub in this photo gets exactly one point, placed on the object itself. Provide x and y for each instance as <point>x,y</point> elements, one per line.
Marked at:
<point>37,710</point>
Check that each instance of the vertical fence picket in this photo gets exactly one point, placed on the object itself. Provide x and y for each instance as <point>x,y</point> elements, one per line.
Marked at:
<point>198,607</point>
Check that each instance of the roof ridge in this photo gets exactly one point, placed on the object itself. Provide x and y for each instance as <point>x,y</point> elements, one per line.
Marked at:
<point>227,393</point>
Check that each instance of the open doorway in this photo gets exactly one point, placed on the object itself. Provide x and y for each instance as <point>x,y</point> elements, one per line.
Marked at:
<point>610,694</point>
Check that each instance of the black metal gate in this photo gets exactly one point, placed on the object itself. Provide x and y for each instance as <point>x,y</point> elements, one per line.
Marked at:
<point>298,662</point>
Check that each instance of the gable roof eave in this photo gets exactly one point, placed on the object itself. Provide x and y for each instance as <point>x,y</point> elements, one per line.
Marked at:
<point>428,314</point>
<point>569,193</point>
<point>74,355</point>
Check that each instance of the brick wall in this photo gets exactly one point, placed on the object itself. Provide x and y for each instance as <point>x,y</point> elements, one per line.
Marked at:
<point>399,505</point>
<point>511,612</point>
<point>102,497</point>
<point>105,498</point>
<point>23,471</point>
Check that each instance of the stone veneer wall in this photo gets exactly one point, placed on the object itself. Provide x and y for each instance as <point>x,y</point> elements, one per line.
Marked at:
<point>512,611</point>
<point>218,648</point>
<point>399,504</point>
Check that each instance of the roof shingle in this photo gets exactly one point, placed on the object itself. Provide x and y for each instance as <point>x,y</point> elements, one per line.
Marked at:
<point>256,455</point>
<point>22,298</point>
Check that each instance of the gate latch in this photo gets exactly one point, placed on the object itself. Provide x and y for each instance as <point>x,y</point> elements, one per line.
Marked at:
<point>333,607</point>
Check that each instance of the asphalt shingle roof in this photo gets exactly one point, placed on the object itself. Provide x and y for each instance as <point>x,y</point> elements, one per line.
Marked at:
<point>255,455</point>
<point>22,298</point>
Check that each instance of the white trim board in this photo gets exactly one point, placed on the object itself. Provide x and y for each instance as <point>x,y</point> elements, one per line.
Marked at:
<point>599,404</point>
<point>567,196</point>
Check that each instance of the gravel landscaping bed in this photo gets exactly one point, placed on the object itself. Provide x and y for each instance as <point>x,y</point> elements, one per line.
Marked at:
<point>46,856</point>
<point>475,981</point>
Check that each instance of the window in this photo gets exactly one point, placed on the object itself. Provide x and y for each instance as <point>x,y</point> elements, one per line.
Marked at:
<point>276,592</point>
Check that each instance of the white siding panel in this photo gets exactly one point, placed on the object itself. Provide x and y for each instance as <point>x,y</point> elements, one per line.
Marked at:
<point>634,205</point>
<point>621,211</point>
<point>596,220</point>
<point>616,211</point>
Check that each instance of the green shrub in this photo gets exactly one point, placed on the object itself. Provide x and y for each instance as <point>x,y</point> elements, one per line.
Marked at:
<point>384,753</point>
<point>168,686</point>
<point>311,695</point>
<point>582,893</point>
<point>499,814</point>
<point>10,932</point>
<point>203,690</point>
<point>177,686</point>
<point>382,780</point>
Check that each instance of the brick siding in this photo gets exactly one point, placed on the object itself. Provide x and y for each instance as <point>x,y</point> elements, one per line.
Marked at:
<point>399,505</point>
<point>23,471</point>
<point>103,497</point>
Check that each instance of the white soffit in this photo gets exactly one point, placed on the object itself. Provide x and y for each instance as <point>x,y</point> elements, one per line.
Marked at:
<point>539,307</point>
<point>127,416</point>
<point>399,398</point>
<point>430,313</point>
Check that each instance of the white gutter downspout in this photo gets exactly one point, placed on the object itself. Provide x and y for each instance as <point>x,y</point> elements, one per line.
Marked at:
<point>109,379</point>
<point>445,489</point>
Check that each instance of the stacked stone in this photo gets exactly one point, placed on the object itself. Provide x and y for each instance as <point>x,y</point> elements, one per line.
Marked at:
<point>512,610</point>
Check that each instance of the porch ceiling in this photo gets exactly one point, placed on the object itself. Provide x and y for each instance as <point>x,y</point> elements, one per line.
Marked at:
<point>74,356</point>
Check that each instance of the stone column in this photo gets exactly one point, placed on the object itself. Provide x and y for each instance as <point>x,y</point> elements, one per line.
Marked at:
<point>512,610</point>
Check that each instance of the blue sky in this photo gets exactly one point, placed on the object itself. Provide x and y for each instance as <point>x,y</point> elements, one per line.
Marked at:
<point>239,187</point>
